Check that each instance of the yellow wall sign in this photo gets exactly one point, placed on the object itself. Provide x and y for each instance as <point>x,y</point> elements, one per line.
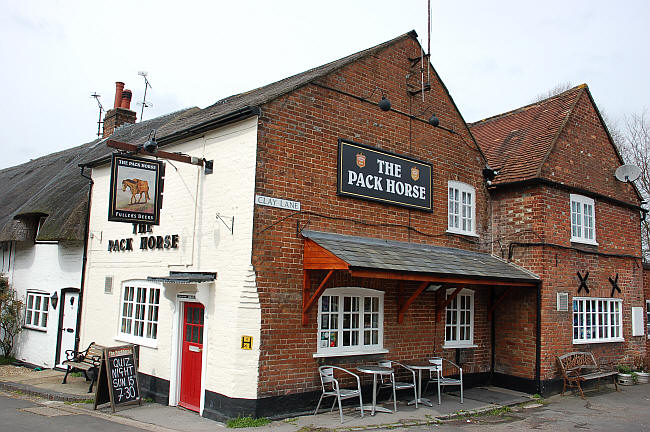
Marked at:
<point>247,342</point>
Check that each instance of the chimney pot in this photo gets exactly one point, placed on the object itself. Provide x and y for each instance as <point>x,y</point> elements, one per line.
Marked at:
<point>126,99</point>
<point>119,86</point>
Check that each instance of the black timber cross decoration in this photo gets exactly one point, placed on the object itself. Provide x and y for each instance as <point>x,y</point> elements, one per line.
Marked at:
<point>614,285</point>
<point>583,282</point>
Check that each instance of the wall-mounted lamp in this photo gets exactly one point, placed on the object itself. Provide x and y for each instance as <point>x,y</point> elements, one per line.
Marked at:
<point>54,299</point>
<point>151,146</point>
<point>384,104</point>
<point>489,174</point>
<point>435,122</point>
<point>433,287</point>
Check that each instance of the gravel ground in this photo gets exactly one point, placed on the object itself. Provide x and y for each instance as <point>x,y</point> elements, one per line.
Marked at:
<point>13,371</point>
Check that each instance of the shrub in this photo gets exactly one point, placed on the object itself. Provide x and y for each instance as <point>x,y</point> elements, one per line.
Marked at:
<point>11,312</point>
<point>624,369</point>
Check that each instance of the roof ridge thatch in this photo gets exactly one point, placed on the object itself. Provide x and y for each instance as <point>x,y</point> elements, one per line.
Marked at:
<point>52,185</point>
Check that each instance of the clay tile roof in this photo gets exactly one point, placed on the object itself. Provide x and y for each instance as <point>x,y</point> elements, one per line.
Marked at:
<point>518,141</point>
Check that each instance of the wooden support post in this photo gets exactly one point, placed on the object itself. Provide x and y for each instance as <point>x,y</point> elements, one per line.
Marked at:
<point>313,298</point>
<point>496,303</point>
<point>306,287</point>
<point>410,300</point>
<point>446,303</point>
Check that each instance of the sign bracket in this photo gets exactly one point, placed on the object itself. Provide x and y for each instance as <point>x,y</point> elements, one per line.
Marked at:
<point>231,228</point>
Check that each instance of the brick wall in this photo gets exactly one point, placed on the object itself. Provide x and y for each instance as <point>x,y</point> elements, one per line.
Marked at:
<point>531,226</point>
<point>296,160</point>
<point>583,156</point>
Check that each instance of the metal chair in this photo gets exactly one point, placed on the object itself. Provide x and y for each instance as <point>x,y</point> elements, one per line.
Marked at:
<point>397,385</point>
<point>331,387</point>
<point>436,375</point>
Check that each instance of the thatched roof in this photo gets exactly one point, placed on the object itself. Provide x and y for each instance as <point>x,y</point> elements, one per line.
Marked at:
<point>52,186</point>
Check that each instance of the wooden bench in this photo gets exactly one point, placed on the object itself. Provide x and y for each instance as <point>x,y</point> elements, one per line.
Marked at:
<point>86,361</point>
<point>577,367</point>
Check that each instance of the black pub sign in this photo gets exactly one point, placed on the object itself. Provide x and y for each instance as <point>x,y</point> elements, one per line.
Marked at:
<point>365,172</point>
<point>135,190</point>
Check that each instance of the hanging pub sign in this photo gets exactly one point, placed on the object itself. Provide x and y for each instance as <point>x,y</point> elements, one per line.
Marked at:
<point>136,190</point>
<point>368,173</point>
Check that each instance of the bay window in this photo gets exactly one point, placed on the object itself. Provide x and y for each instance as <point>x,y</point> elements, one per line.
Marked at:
<point>350,321</point>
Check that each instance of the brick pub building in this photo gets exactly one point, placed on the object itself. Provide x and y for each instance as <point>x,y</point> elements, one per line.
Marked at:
<point>559,211</point>
<point>360,233</point>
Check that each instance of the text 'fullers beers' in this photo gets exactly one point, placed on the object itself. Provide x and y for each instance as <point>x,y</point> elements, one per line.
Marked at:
<point>386,183</point>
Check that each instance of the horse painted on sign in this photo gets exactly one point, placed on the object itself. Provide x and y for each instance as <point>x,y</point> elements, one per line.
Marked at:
<point>137,187</point>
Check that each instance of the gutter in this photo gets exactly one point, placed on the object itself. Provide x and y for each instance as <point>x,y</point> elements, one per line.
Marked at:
<point>513,245</point>
<point>538,342</point>
<point>84,259</point>
<point>565,187</point>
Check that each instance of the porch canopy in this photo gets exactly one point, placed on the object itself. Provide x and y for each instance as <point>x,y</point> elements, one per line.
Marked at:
<point>365,257</point>
<point>184,278</point>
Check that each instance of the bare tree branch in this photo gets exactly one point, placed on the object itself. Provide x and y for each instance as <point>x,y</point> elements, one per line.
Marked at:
<point>635,149</point>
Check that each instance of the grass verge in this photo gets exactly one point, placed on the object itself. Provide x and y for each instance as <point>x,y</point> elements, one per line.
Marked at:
<point>243,422</point>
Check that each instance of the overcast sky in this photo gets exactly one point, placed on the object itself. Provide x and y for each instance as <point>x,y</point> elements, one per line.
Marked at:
<point>493,56</point>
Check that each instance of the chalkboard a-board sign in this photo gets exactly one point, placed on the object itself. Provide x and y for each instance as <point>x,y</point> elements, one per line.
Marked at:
<point>118,377</point>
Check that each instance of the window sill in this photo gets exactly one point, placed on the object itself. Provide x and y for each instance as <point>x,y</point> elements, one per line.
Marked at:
<point>38,329</point>
<point>454,346</point>
<point>464,233</point>
<point>349,353</point>
<point>583,241</point>
<point>581,342</point>
<point>137,341</point>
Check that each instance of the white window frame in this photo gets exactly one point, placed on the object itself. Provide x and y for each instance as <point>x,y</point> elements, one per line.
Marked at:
<point>139,313</point>
<point>452,311</point>
<point>36,317</point>
<point>592,323</point>
<point>337,318</point>
<point>460,214</point>
<point>583,226</point>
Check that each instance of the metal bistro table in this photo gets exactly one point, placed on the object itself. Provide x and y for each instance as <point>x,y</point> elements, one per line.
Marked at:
<point>375,370</point>
<point>420,366</point>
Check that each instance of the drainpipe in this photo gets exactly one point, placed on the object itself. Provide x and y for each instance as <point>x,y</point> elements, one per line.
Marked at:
<point>538,345</point>
<point>493,337</point>
<point>84,259</point>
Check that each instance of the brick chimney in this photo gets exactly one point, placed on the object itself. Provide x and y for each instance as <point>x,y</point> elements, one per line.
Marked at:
<point>121,112</point>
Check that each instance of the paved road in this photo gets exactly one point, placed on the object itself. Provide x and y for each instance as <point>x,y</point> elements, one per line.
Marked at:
<point>18,415</point>
<point>627,410</point>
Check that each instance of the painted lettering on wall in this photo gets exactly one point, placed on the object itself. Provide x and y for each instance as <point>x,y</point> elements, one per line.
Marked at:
<point>146,243</point>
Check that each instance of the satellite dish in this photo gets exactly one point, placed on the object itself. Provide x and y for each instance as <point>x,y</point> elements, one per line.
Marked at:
<point>627,173</point>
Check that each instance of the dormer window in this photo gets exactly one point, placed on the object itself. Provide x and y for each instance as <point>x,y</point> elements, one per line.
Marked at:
<point>461,208</point>
<point>583,220</point>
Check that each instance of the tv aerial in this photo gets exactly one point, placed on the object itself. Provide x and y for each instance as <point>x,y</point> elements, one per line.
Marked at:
<point>101,110</point>
<point>144,102</point>
<point>627,173</point>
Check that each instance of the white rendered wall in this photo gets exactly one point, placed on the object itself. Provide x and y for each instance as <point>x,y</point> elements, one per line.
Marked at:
<point>191,202</point>
<point>44,267</point>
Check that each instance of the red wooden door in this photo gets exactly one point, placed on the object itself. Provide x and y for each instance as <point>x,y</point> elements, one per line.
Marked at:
<point>191,356</point>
